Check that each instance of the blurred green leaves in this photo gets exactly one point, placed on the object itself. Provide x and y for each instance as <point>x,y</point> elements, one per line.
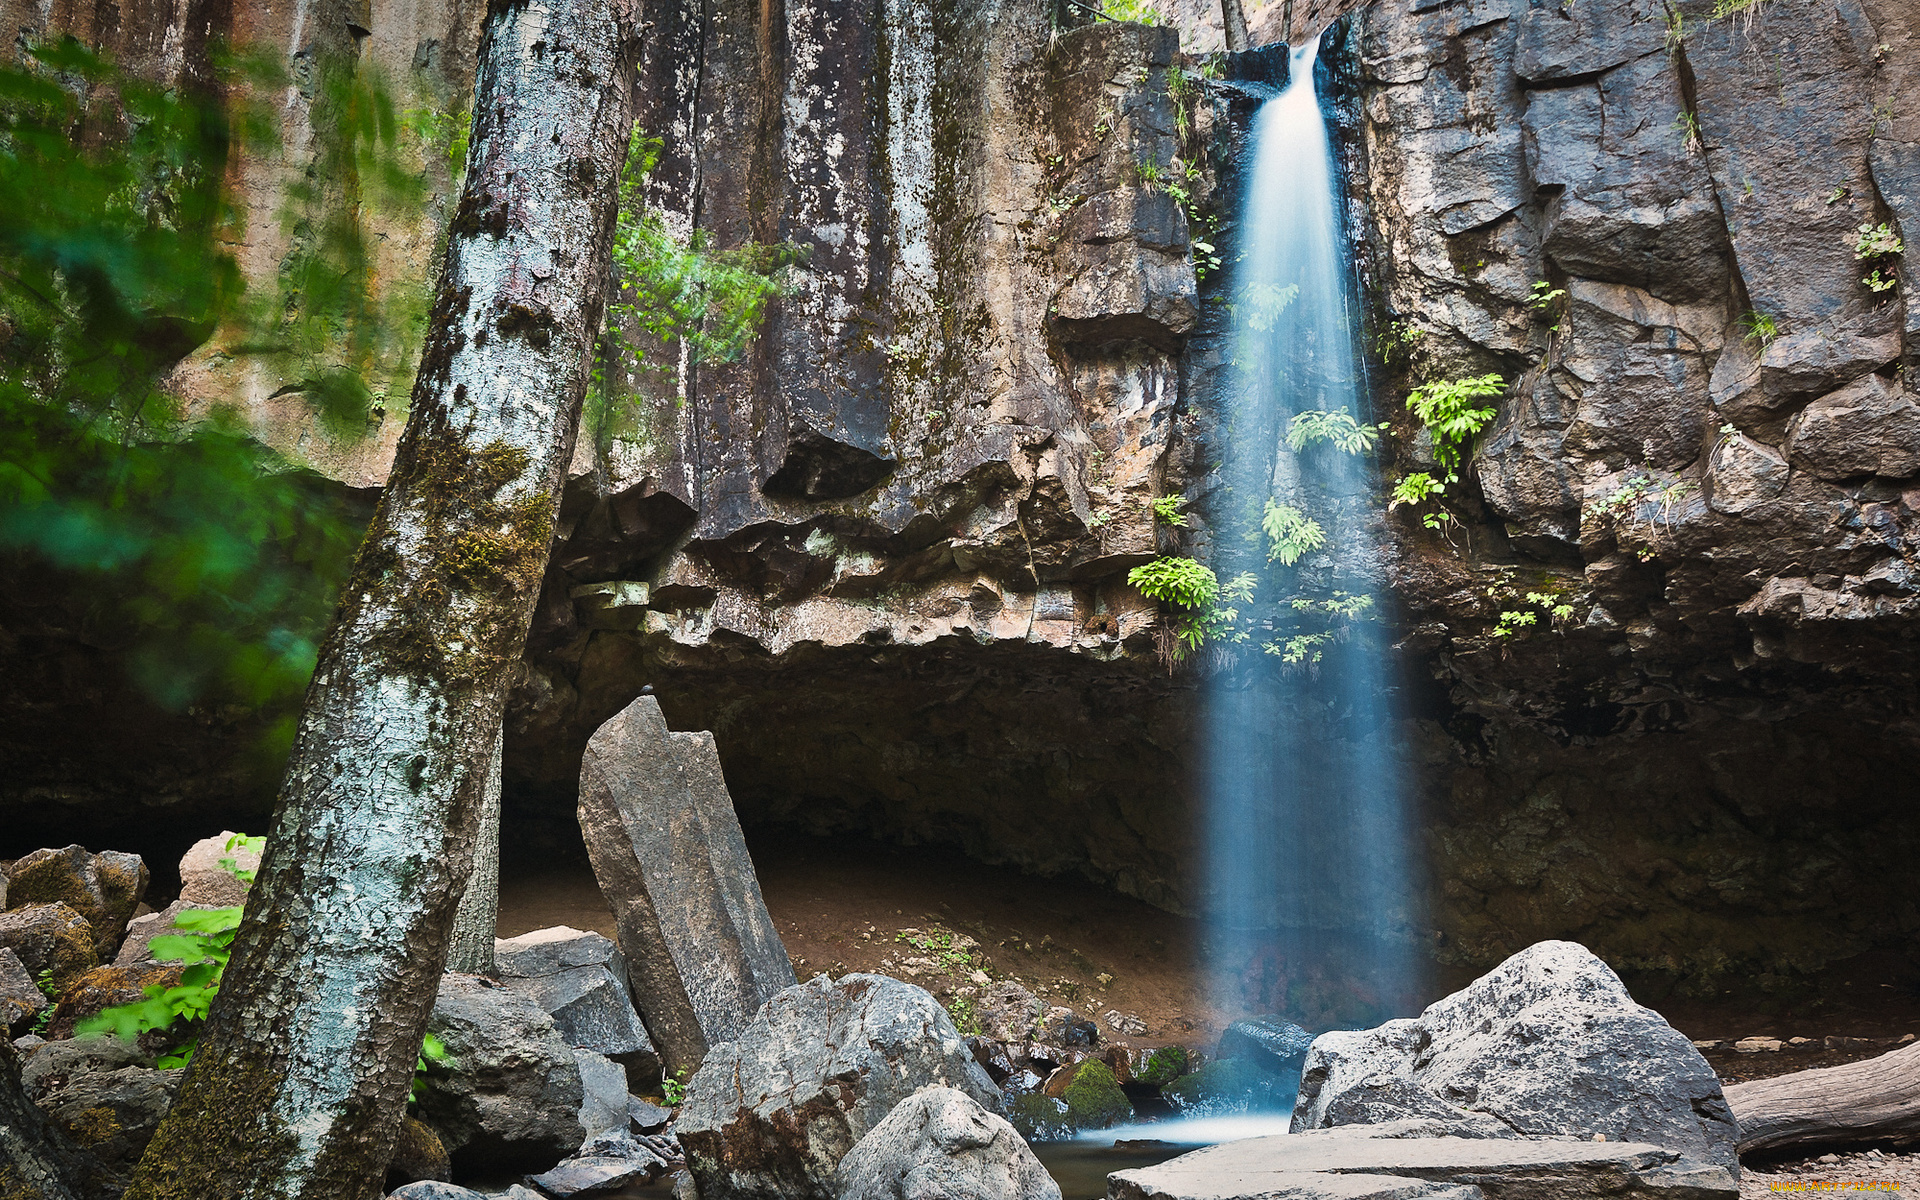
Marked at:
<point>207,560</point>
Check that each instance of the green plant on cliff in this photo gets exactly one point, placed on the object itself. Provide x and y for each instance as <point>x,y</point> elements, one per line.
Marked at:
<point>1166,510</point>
<point>1291,534</point>
<point>672,290</point>
<point>1452,414</point>
<point>1336,427</point>
<point>1132,10</point>
<point>1877,246</point>
<point>1759,328</point>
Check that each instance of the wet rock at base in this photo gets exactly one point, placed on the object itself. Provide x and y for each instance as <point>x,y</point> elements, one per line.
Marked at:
<point>1414,1160</point>
<point>940,1142</point>
<point>50,937</point>
<point>1092,1094</point>
<point>510,1100</point>
<point>666,847</point>
<point>104,888</point>
<point>580,980</point>
<point>1227,1086</point>
<point>20,1000</point>
<point>580,1176</point>
<point>771,1114</point>
<point>1549,1042</point>
<point>1271,1043</point>
<point>431,1189</point>
<point>204,883</point>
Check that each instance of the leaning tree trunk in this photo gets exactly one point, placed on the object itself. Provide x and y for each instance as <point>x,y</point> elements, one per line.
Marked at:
<point>1877,1100</point>
<point>299,1085</point>
<point>37,1162</point>
<point>478,917</point>
<point>1236,21</point>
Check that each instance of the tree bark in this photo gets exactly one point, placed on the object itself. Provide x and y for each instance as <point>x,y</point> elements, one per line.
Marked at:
<point>1236,21</point>
<point>1877,1100</point>
<point>477,919</point>
<point>300,1082</point>
<point>36,1161</point>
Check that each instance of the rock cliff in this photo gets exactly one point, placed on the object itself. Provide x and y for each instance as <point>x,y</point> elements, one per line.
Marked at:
<point>882,556</point>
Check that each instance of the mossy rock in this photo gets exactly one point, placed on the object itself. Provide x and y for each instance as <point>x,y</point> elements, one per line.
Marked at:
<point>1164,1065</point>
<point>50,938</point>
<point>1039,1118</point>
<point>418,1154</point>
<point>1231,1085</point>
<point>1094,1097</point>
<point>106,987</point>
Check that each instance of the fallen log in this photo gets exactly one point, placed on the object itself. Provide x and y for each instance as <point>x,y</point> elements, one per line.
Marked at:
<point>1876,1100</point>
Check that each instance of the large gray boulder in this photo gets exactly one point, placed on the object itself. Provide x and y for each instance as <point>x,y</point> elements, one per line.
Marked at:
<point>20,1000</point>
<point>770,1115</point>
<point>667,850</point>
<point>940,1142</point>
<point>510,1098</point>
<point>580,980</point>
<point>1419,1160</point>
<point>1549,1042</point>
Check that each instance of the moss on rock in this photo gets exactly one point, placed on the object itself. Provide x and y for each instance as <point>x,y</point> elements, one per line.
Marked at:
<point>1094,1097</point>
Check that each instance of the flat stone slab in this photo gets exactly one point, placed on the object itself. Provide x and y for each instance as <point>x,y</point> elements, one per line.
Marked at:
<point>1396,1160</point>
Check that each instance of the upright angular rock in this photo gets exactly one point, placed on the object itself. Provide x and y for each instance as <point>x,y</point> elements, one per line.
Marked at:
<point>50,937</point>
<point>940,1142</point>
<point>1549,1042</point>
<point>204,883</point>
<point>104,888</point>
<point>771,1115</point>
<point>20,1000</point>
<point>702,952</point>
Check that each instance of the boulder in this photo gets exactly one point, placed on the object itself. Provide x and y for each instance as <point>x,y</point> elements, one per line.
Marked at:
<point>771,1114</point>
<point>603,1086</point>
<point>418,1155</point>
<point>580,979</point>
<point>432,1189</point>
<point>1271,1043</point>
<point>666,847</point>
<point>1548,1042</point>
<point>1039,1117</point>
<point>940,1142</point>
<point>646,1117</point>
<point>510,1099</point>
<point>584,1175</point>
<point>1092,1094</point>
<point>112,1114</point>
<point>1008,1012</point>
<point>1227,1086</point>
<point>104,888</point>
<point>21,1001</point>
<point>53,1065</point>
<point>1869,427</point>
<point>204,883</point>
<point>50,937</point>
<point>1417,1160</point>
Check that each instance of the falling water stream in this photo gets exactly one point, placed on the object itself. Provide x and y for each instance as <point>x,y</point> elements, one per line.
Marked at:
<point>1309,867</point>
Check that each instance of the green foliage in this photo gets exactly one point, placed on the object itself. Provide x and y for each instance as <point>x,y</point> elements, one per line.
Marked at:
<point>1291,534</point>
<point>1182,582</point>
<point>1142,11</point>
<point>1874,245</point>
<point>1731,8</point>
<point>1338,427</point>
<point>1759,327</point>
<point>44,981</point>
<point>713,302</point>
<point>1513,621</point>
<point>1396,342</point>
<point>673,1089</point>
<point>1166,510</point>
<point>1308,646</point>
<point>1447,408</point>
<point>433,1053</point>
<point>1687,125</point>
<point>212,562</point>
<point>1164,1065</point>
<point>1549,301</point>
<point>1417,488</point>
<point>206,946</point>
<point>966,1017</point>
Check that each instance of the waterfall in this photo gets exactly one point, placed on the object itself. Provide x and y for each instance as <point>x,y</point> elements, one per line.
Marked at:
<point>1311,866</point>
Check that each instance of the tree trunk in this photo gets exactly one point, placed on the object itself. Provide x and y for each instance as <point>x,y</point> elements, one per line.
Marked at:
<point>300,1082</point>
<point>1236,19</point>
<point>1873,1101</point>
<point>37,1162</point>
<point>478,917</point>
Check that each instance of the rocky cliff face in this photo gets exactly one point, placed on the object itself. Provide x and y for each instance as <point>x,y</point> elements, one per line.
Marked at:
<point>883,555</point>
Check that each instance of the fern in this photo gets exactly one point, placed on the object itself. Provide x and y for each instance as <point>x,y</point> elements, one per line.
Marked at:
<point>1291,534</point>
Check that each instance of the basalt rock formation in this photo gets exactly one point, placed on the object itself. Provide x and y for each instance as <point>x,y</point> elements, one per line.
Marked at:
<point>883,555</point>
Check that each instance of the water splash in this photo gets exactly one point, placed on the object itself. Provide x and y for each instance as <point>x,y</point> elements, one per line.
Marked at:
<point>1312,874</point>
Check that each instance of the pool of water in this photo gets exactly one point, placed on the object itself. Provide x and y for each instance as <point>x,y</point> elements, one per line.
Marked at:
<point>1081,1166</point>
